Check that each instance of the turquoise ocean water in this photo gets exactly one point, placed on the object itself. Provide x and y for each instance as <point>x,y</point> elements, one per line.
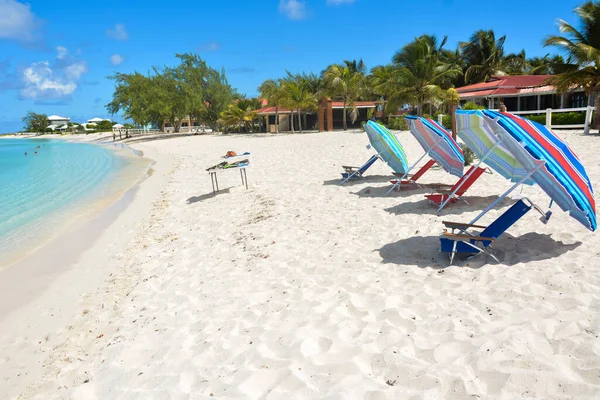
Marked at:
<point>38,190</point>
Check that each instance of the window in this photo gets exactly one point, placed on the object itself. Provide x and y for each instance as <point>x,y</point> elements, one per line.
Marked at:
<point>578,100</point>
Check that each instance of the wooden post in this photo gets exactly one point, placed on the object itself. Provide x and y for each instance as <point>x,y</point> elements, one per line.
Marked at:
<point>453,114</point>
<point>548,118</point>
<point>321,116</point>
<point>329,115</point>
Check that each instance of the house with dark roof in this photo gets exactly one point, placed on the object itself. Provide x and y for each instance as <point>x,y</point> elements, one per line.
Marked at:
<point>522,93</point>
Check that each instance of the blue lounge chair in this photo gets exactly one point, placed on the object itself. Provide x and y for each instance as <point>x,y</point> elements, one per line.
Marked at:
<point>357,172</point>
<point>465,242</point>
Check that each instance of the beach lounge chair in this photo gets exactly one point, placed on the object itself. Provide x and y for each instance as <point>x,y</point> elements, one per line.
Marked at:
<point>475,244</point>
<point>459,187</point>
<point>412,179</point>
<point>357,172</point>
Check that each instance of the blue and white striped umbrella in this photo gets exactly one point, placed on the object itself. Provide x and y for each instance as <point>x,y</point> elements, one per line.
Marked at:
<point>387,146</point>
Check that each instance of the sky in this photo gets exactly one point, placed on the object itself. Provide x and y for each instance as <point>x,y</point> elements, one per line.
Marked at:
<point>56,55</point>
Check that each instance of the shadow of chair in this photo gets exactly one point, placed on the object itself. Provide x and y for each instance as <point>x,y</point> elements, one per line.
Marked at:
<point>423,251</point>
<point>424,206</point>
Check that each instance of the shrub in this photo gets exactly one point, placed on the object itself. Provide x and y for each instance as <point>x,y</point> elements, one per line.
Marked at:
<point>398,123</point>
<point>447,122</point>
<point>49,130</point>
<point>472,106</point>
<point>570,118</point>
<point>468,154</point>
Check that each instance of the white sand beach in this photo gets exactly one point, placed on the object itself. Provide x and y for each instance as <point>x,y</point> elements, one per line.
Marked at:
<point>300,288</point>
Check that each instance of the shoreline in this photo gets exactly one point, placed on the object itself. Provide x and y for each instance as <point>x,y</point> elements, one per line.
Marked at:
<point>92,202</point>
<point>40,292</point>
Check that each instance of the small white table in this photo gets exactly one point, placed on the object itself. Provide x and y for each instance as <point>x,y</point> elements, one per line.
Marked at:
<point>214,174</point>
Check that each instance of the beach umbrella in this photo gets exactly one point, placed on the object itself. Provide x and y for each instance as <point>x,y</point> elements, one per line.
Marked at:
<point>549,162</point>
<point>473,129</point>
<point>438,144</point>
<point>387,146</point>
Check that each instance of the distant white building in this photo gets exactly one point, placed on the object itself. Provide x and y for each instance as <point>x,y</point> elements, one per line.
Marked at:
<point>56,120</point>
<point>96,120</point>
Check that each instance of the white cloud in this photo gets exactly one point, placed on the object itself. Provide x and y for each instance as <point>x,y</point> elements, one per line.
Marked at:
<point>42,81</point>
<point>76,70</point>
<point>116,59</point>
<point>339,2</point>
<point>293,9</point>
<point>62,52</point>
<point>211,46</point>
<point>118,32</point>
<point>17,21</point>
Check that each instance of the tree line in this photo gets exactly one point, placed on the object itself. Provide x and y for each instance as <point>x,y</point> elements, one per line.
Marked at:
<point>422,74</point>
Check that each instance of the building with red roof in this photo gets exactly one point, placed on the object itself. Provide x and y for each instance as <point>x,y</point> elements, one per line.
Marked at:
<point>521,93</point>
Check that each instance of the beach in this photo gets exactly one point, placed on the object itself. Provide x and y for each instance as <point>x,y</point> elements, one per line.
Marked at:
<point>299,287</point>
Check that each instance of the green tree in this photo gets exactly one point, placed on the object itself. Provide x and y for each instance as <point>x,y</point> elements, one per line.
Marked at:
<point>298,96</point>
<point>35,122</point>
<point>104,126</point>
<point>173,93</point>
<point>516,63</point>
<point>272,91</point>
<point>582,48</point>
<point>483,55</point>
<point>546,65</point>
<point>346,82</point>
<point>383,82</point>
<point>420,72</point>
<point>239,113</point>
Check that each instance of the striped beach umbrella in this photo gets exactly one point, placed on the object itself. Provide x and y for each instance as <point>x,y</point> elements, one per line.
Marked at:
<point>387,146</point>
<point>549,162</point>
<point>438,144</point>
<point>479,137</point>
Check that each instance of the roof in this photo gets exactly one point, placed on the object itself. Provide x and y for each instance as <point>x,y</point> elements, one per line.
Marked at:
<point>358,104</point>
<point>271,110</point>
<point>507,85</point>
<point>57,118</point>
<point>96,120</point>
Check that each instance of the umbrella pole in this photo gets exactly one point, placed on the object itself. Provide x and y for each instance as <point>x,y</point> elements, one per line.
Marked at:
<point>397,184</point>
<point>471,172</point>
<point>499,199</point>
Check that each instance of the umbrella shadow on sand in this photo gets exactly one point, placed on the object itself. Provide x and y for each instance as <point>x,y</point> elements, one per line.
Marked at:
<point>424,206</point>
<point>365,179</point>
<point>423,251</point>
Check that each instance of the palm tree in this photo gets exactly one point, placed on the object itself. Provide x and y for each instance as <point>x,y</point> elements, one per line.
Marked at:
<point>546,65</point>
<point>346,83</point>
<point>297,96</point>
<point>516,63</point>
<point>239,112</point>
<point>356,66</point>
<point>419,72</point>
<point>482,55</point>
<point>383,83</point>
<point>272,91</point>
<point>582,48</point>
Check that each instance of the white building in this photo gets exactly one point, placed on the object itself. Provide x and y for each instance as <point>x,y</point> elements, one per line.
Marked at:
<point>96,120</point>
<point>56,120</point>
